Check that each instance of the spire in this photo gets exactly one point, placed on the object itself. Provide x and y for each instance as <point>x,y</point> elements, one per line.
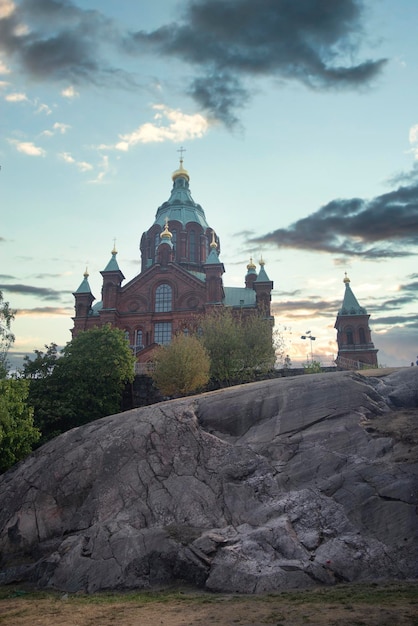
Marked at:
<point>262,275</point>
<point>350,305</point>
<point>213,257</point>
<point>181,171</point>
<point>166,236</point>
<point>112,266</point>
<point>84,285</point>
<point>251,267</point>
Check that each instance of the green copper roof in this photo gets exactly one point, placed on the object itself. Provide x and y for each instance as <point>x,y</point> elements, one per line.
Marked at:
<point>239,296</point>
<point>84,286</point>
<point>181,206</point>
<point>112,266</point>
<point>350,304</point>
<point>262,275</point>
<point>212,258</point>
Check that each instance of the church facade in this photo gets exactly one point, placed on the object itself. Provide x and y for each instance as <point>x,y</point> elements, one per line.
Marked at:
<point>181,278</point>
<point>355,345</point>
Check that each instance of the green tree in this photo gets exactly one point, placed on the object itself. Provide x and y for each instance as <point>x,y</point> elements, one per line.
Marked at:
<point>47,393</point>
<point>17,431</point>
<point>6,335</point>
<point>94,369</point>
<point>181,367</point>
<point>83,384</point>
<point>240,347</point>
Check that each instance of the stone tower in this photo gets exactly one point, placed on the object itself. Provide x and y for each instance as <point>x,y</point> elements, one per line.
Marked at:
<point>355,346</point>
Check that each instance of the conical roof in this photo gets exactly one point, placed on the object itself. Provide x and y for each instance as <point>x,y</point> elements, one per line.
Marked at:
<point>84,285</point>
<point>113,265</point>
<point>350,305</point>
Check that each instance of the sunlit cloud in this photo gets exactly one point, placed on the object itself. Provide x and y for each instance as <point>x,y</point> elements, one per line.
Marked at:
<point>57,128</point>
<point>69,92</point>
<point>413,140</point>
<point>83,166</point>
<point>3,68</point>
<point>7,8</point>
<point>104,169</point>
<point>27,147</point>
<point>48,311</point>
<point>44,108</point>
<point>169,125</point>
<point>16,97</point>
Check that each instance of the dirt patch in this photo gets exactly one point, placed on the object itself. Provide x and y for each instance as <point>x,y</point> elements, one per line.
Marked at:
<point>402,426</point>
<point>345,605</point>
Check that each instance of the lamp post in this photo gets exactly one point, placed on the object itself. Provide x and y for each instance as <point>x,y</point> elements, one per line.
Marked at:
<point>308,335</point>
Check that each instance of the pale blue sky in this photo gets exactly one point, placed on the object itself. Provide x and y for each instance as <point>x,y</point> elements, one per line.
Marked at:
<point>284,126</point>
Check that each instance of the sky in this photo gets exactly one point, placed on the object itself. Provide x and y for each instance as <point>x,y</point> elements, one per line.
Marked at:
<point>299,121</point>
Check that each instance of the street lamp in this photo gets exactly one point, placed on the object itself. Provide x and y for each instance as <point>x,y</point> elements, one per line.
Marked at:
<point>308,335</point>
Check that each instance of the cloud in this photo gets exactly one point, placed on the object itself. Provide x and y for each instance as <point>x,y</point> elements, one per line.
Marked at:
<point>16,97</point>
<point>57,40</point>
<point>396,320</point>
<point>28,290</point>
<point>27,147</point>
<point>49,311</point>
<point>384,227</point>
<point>232,42</point>
<point>83,166</point>
<point>104,169</point>
<point>69,92</point>
<point>3,67</point>
<point>44,108</point>
<point>227,44</point>
<point>180,127</point>
<point>57,128</point>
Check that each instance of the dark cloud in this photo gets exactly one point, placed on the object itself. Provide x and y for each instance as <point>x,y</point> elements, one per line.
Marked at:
<point>232,41</point>
<point>64,42</point>
<point>410,286</point>
<point>384,227</point>
<point>396,320</point>
<point>227,42</point>
<point>27,290</point>
<point>292,307</point>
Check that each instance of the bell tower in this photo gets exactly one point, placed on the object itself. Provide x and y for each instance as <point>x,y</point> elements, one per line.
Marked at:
<point>355,346</point>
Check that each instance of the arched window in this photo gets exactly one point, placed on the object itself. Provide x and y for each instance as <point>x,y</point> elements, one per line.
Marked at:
<point>139,344</point>
<point>163,298</point>
<point>192,245</point>
<point>127,335</point>
<point>349,335</point>
<point>362,335</point>
<point>156,240</point>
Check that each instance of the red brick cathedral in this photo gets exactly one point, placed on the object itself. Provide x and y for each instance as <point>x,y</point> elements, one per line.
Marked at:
<point>181,278</point>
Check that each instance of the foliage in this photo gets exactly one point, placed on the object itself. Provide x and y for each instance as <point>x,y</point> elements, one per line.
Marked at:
<point>17,431</point>
<point>47,393</point>
<point>181,367</point>
<point>312,367</point>
<point>240,347</point>
<point>6,336</point>
<point>83,384</point>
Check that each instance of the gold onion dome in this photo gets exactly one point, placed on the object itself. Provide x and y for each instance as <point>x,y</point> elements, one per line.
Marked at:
<point>213,243</point>
<point>166,233</point>
<point>180,172</point>
<point>251,265</point>
<point>86,274</point>
<point>346,279</point>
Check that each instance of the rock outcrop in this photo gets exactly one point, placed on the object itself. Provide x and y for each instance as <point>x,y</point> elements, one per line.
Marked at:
<point>286,483</point>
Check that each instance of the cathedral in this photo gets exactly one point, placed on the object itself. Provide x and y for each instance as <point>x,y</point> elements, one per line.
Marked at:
<point>355,346</point>
<point>181,278</point>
